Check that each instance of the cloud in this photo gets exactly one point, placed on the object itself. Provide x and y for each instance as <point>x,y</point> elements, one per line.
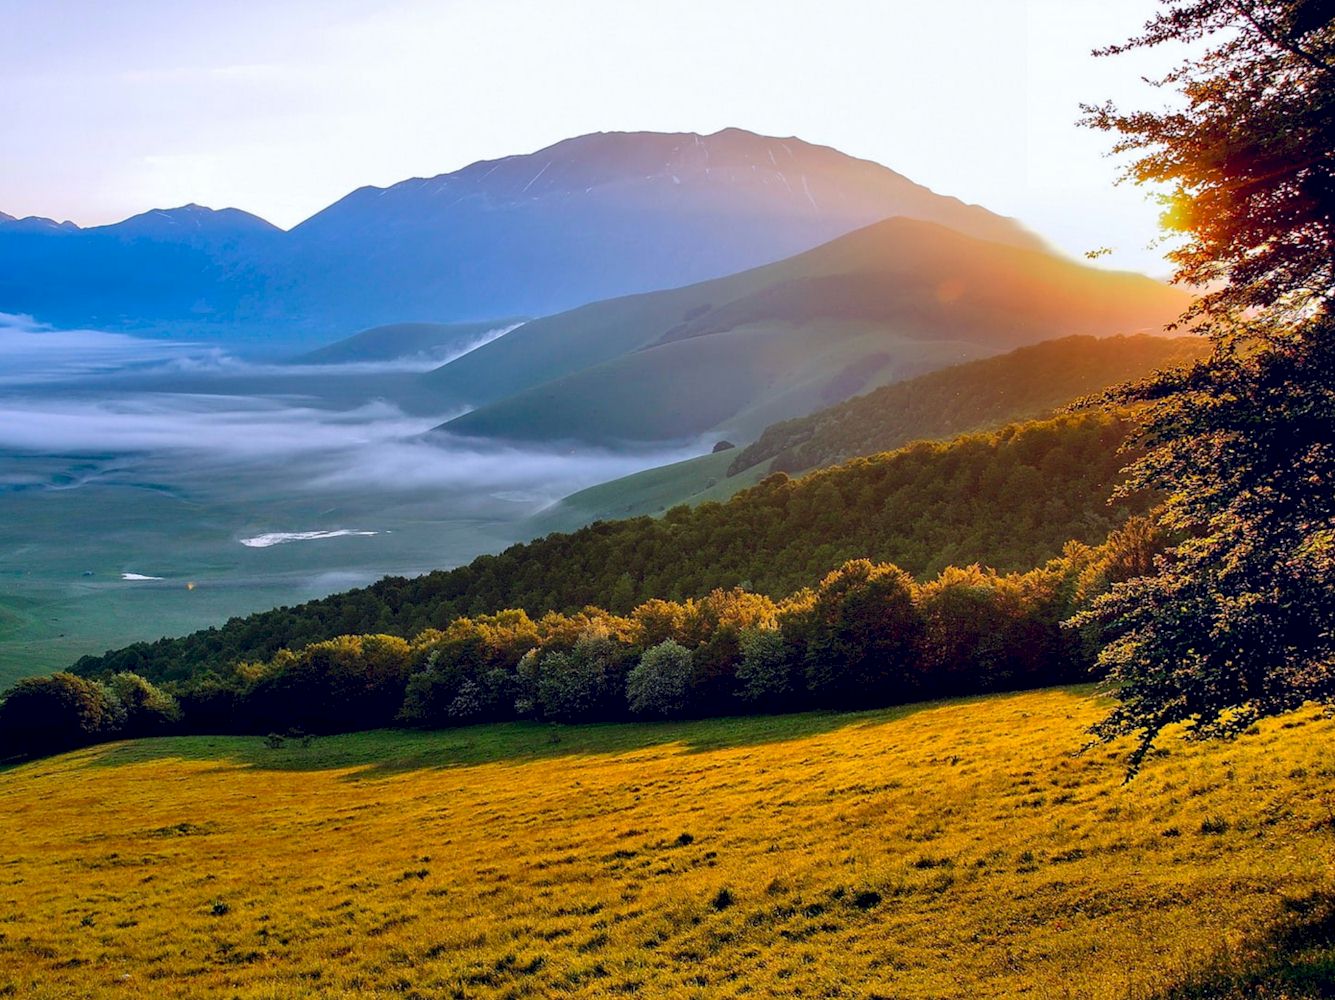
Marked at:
<point>32,353</point>
<point>66,396</point>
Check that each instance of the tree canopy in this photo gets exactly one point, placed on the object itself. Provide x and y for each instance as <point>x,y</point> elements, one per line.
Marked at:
<point>1238,620</point>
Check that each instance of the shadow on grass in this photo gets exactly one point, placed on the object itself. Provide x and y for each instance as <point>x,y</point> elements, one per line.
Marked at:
<point>385,752</point>
<point>1295,961</point>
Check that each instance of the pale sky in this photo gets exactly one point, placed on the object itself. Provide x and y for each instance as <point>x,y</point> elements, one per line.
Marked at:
<point>282,106</point>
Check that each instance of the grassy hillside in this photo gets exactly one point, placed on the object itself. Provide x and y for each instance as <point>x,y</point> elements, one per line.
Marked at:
<point>398,340</point>
<point>1019,385</point>
<point>1011,499</point>
<point>938,851</point>
<point>884,303</point>
<point>652,491</point>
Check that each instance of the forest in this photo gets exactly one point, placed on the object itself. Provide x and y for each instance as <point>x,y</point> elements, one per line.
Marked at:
<point>1009,500</point>
<point>881,581</point>
<point>867,635</point>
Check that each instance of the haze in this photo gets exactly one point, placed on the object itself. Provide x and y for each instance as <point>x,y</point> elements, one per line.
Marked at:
<point>107,110</point>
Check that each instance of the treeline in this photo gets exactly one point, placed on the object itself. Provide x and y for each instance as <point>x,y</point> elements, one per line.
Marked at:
<point>867,635</point>
<point>1017,386</point>
<point>1009,499</point>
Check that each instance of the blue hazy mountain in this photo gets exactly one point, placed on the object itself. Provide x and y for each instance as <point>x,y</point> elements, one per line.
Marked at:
<point>586,219</point>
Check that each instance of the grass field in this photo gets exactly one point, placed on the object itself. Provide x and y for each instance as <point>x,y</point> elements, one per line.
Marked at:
<point>958,850</point>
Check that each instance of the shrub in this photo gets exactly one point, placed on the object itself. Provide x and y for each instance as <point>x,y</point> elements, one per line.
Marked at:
<point>660,684</point>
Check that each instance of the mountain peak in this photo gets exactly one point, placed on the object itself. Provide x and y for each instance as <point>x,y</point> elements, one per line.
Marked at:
<point>192,218</point>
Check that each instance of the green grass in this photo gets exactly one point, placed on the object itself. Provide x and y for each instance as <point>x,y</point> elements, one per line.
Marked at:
<point>650,492</point>
<point>62,553</point>
<point>950,850</point>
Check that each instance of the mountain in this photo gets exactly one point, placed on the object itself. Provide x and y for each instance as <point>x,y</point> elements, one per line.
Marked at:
<point>731,356</point>
<point>407,340</point>
<point>589,218</point>
<point>1023,384</point>
<point>189,265</point>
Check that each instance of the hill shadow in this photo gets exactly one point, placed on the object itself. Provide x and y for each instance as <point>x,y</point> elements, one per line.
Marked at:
<point>387,752</point>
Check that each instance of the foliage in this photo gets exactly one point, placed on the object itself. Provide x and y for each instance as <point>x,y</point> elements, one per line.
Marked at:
<point>1238,620</point>
<point>142,709</point>
<point>586,682</point>
<point>859,636</point>
<point>351,682</point>
<point>867,635</point>
<point>660,684</point>
<point>1009,499</point>
<point>1248,159</point>
<point>42,715</point>
<point>764,668</point>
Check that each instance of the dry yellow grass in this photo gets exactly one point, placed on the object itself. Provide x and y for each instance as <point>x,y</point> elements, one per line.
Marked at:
<point>956,850</point>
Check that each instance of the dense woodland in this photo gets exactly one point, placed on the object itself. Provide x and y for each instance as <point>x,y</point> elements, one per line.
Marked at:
<point>866,635</point>
<point>1021,385</point>
<point>1008,500</point>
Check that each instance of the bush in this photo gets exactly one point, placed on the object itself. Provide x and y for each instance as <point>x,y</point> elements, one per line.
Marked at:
<point>660,684</point>
<point>60,712</point>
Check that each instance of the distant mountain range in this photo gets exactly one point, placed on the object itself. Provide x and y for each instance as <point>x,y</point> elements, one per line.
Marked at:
<point>589,218</point>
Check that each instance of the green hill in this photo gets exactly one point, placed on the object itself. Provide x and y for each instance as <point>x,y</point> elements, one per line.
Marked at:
<point>736,354</point>
<point>1010,499</point>
<point>1022,384</point>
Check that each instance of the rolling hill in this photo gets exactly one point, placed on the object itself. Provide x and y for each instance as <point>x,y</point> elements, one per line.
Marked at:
<point>731,356</point>
<point>1022,384</point>
<point>588,218</point>
<point>962,850</point>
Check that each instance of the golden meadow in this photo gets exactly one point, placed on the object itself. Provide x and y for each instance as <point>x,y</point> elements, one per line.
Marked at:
<point>961,849</point>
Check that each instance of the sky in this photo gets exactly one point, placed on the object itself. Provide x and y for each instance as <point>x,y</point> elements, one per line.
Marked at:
<point>282,106</point>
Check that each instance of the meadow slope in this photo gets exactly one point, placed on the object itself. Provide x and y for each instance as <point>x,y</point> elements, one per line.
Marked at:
<point>957,850</point>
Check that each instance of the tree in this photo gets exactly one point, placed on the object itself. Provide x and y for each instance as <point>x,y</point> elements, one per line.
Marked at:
<point>585,683</point>
<point>1247,161</point>
<point>660,684</point>
<point>343,684</point>
<point>143,708</point>
<point>861,636</point>
<point>765,673</point>
<point>48,714</point>
<point>1237,621</point>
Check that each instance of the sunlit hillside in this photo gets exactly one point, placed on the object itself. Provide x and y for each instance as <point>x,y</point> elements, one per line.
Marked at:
<point>958,850</point>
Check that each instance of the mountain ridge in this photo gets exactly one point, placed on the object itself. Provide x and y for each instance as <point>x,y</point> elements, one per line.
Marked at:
<point>588,218</point>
